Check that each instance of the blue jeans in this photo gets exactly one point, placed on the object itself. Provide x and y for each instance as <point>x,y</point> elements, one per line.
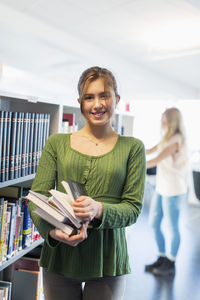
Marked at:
<point>168,208</point>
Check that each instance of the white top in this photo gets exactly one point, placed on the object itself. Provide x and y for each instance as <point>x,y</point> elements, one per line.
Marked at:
<point>171,171</point>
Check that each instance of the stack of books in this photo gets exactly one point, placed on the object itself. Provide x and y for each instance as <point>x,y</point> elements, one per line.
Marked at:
<point>57,209</point>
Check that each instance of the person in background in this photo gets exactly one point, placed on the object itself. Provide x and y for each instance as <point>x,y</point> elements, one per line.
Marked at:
<point>171,189</point>
<point>112,168</point>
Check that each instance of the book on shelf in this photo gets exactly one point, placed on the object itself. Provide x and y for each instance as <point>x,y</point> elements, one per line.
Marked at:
<point>27,282</point>
<point>27,270</point>
<point>4,146</point>
<point>12,145</point>
<point>1,137</point>
<point>70,119</point>
<point>27,225</point>
<point>57,209</point>
<point>3,225</point>
<point>6,286</point>
<point>30,157</point>
<point>7,158</point>
<point>35,143</point>
<point>17,145</point>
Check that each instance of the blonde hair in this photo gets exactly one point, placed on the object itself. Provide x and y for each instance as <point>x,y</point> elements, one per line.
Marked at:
<point>174,124</point>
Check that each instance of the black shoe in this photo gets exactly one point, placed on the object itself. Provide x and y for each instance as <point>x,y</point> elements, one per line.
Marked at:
<point>156,264</point>
<point>165,269</point>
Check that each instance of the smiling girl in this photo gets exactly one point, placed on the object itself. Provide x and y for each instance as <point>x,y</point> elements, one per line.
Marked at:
<point>112,168</point>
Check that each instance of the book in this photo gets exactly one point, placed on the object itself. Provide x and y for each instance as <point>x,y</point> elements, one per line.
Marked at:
<point>6,286</point>
<point>27,284</point>
<point>17,144</point>
<point>74,189</point>
<point>70,118</point>
<point>35,143</point>
<point>24,146</point>
<point>21,142</point>
<point>4,147</point>
<point>47,210</point>
<point>1,137</point>
<point>30,160</point>
<point>13,209</point>
<point>27,226</point>
<point>12,145</point>
<point>3,225</point>
<point>57,209</point>
<point>7,159</point>
<point>64,202</point>
<point>52,220</point>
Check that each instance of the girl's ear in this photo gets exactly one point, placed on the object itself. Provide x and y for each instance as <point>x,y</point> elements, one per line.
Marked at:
<point>79,100</point>
<point>117,99</point>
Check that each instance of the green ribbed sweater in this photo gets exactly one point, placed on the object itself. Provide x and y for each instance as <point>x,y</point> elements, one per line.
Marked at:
<point>117,180</point>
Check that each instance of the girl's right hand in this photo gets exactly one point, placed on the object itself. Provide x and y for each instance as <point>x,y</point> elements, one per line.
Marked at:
<point>72,240</point>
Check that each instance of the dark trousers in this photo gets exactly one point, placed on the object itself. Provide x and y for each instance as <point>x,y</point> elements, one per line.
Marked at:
<point>57,286</point>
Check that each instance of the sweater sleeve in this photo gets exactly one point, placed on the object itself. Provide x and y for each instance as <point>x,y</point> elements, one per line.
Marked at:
<point>126,212</point>
<point>44,181</point>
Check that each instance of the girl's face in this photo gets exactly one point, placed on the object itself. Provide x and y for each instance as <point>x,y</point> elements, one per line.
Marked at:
<point>98,103</point>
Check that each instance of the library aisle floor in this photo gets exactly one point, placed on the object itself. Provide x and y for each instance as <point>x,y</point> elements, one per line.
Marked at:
<point>142,250</point>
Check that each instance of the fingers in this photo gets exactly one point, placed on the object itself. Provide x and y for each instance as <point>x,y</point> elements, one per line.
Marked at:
<point>85,208</point>
<point>73,240</point>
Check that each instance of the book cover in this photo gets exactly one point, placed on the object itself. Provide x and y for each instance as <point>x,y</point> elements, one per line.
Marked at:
<point>47,205</point>
<point>1,137</point>
<point>70,117</point>
<point>32,287</point>
<point>17,142</point>
<point>7,286</point>
<point>52,220</point>
<point>11,192</point>
<point>21,141</point>
<point>24,145</point>
<point>7,158</point>
<point>6,232</point>
<point>3,223</point>
<point>35,143</point>
<point>39,139</point>
<point>4,147</point>
<point>28,116</point>
<point>64,202</point>
<point>74,189</point>
<point>47,126</point>
<point>27,226</point>
<point>30,160</point>
<point>12,145</point>
<point>13,209</point>
<point>31,132</point>
<point>1,211</point>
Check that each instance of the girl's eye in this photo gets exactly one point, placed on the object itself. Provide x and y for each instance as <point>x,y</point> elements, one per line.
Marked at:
<point>88,97</point>
<point>105,96</point>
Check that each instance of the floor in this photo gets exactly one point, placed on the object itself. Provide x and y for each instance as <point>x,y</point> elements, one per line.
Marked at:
<point>142,250</point>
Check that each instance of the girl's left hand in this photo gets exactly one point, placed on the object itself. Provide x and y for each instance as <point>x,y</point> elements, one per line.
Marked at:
<point>87,208</point>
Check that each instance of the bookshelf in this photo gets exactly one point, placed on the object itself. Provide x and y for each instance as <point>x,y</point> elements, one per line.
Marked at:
<point>21,181</point>
<point>18,103</point>
<point>20,254</point>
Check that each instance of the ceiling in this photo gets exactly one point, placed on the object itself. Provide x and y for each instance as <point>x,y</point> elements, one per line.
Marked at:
<point>152,46</point>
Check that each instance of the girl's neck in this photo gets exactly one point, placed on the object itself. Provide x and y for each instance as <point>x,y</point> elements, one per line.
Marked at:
<point>98,132</point>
